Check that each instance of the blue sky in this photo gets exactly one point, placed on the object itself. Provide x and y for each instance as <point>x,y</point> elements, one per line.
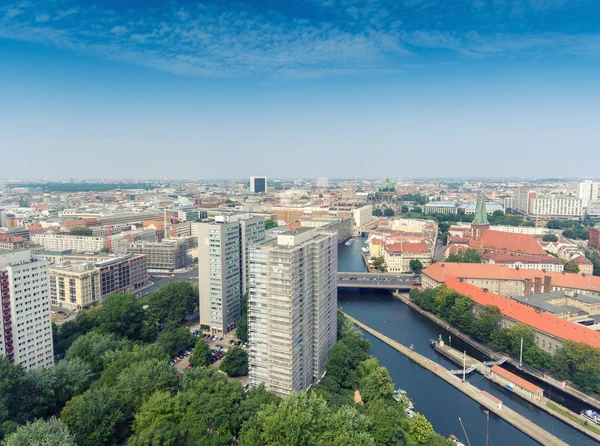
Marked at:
<point>299,88</point>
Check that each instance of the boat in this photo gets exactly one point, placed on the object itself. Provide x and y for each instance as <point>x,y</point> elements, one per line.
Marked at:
<point>402,397</point>
<point>349,242</point>
<point>592,416</point>
<point>456,440</point>
<point>409,414</point>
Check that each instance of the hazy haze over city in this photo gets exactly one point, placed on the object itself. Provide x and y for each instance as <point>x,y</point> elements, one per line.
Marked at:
<point>344,88</point>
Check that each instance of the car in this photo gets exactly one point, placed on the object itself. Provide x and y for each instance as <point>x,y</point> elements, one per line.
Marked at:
<point>187,367</point>
<point>178,358</point>
<point>206,336</point>
<point>220,339</point>
<point>238,343</point>
<point>171,362</point>
<point>219,346</point>
<point>231,341</point>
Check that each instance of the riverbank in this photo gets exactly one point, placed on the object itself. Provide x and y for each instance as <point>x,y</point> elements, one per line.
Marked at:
<point>518,421</point>
<point>492,354</point>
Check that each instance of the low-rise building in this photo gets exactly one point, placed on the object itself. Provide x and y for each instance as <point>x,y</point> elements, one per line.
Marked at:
<point>516,384</point>
<point>363,215</point>
<point>541,262</point>
<point>58,242</point>
<point>167,255</point>
<point>9,242</point>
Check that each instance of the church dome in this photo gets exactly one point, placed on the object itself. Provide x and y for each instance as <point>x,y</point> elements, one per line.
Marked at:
<point>387,186</point>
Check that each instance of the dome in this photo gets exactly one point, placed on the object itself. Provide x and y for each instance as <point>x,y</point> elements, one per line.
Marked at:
<point>387,186</point>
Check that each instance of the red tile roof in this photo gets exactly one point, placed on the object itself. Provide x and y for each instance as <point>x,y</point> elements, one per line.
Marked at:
<point>508,242</point>
<point>516,379</point>
<point>405,247</point>
<point>541,321</point>
<point>502,257</point>
<point>440,271</point>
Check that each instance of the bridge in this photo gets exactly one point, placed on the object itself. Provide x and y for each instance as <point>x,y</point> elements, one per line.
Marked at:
<point>384,281</point>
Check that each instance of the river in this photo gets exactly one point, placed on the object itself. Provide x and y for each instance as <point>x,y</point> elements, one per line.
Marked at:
<point>439,402</point>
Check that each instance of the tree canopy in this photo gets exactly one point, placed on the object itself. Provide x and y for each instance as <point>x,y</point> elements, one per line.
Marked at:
<point>235,362</point>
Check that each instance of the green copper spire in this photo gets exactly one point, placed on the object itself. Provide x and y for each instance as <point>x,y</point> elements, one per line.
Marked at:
<point>480,214</point>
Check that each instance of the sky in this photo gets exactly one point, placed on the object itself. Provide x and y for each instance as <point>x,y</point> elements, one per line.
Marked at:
<point>299,88</point>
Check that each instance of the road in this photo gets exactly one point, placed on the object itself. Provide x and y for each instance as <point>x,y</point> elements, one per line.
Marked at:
<point>375,280</point>
<point>160,280</point>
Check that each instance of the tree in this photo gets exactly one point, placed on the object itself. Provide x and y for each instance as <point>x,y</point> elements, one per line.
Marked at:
<point>377,212</point>
<point>388,420</point>
<point>270,224</point>
<point>436,439</point>
<point>444,237</point>
<point>388,212</point>
<point>235,362</point>
<point>141,379</point>
<point>54,386</point>
<point>241,330</point>
<point>92,417</point>
<point>175,339</point>
<point>571,267</point>
<point>163,433</point>
<point>378,263</point>
<point>91,346</point>
<point>81,231</point>
<point>417,210</point>
<point>12,391</point>
<point>549,237</point>
<point>200,357</point>
<point>104,250</point>
<point>377,385</point>
<point>172,302</point>
<point>122,314</point>
<point>420,428</point>
<point>41,433</point>
<point>488,319</point>
<point>416,266</point>
<point>404,209</point>
<point>468,256</point>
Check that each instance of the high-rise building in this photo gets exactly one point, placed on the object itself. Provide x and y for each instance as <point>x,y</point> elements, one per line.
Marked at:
<point>292,309</point>
<point>258,185</point>
<point>322,182</point>
<point>223,245</point>
<point>587,191</point>
<point>25,325</point>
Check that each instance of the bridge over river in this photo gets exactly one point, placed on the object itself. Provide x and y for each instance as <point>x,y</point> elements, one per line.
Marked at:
<point>389,281</point>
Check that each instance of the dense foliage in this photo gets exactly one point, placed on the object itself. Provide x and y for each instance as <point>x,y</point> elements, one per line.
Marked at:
<point>81,231</point>
<point>594,257</point>
<point>416,266</point>
<point>241,330</point>
<point>573,229</point>
<point>468,256</point>
<point>119,389</point>
<point>577,362</point>
<point>270,224</point>
<point>235,362</point>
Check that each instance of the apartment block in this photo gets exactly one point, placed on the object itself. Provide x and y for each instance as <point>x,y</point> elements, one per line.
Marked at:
<point>223,247</point>
<point>25,326</point>
<point>292,309</point>
<point>59,242</point>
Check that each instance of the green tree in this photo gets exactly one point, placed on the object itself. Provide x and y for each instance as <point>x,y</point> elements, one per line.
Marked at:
<point>378,263</point>
<point>92,417</point>
<point>444,237</point>
<point>420,428</point>
<point>54,386</point>
<point>404,209</point>
<point>122,314</point>
<point>388,212</point>
<point>104,250</point>
<point>163,433</point>
<point>487,321</point>
<point>12,391</point>
<point>235,362</point>
<point>437,439</point>
<point>92,345</point>
<point>270,224</point>
<point>175,339</point>
<point>389,422</point>
<point>377,212</point>
<point>41,433</point>
<point>366,367</point>
<point>81,231</point>
<point>549,237</point>
<point>571,267</point>
<point>201,355</point>
<point>416,266</point>
<point>141,379</point>
<point>417,210</point>
<point>468,256</point>
<point>377,385</point>
<point>172,302</point>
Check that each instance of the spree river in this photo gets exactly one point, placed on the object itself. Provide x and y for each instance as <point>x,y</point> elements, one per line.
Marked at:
<point>441,403</point>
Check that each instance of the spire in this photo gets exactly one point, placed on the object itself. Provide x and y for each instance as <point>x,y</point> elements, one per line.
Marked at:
<point>480,214</point>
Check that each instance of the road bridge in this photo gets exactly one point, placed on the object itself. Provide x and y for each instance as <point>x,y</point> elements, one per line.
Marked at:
<point>385,281</point>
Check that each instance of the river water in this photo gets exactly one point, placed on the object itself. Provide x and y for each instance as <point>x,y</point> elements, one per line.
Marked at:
<point>441,403</point>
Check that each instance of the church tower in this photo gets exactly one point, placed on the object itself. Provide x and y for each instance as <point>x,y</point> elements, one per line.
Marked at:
<point>480,223</point>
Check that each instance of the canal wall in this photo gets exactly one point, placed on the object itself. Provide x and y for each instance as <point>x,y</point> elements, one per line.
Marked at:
<point>569,390</point>
<point>510,416</point>
<point>554,409</point>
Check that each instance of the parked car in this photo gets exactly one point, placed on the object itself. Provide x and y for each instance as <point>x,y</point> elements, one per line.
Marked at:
<point>231,341</point>
<point>171,362</point>
<point>187,367</point>
<point>220,339</point>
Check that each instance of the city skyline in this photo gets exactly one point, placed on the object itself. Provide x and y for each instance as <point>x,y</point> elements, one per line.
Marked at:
<point>475,86</point>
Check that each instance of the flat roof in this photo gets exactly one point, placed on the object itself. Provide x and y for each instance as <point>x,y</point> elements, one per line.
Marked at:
<point>516,379</point>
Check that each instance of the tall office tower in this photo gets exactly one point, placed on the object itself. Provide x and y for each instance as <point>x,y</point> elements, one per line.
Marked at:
<point>223,267</point>
<point>587,191</point>
<point>292,309</point>
<point>322,182</point>
<point>258,185</point>
<point>25,326</point>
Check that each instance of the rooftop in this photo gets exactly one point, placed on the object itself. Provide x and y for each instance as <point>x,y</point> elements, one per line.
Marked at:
<point>516,311</point>
<point>516,379</point>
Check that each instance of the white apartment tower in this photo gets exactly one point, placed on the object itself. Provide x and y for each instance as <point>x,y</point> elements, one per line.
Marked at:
<point>25,326</point>
<point>322,183</point>
<point>258,185</point>
<point>587,191</point>
<point>292,309</point>
<point>223,246</point>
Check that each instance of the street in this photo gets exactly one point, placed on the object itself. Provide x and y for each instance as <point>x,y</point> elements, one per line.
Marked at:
<point>160,280</point>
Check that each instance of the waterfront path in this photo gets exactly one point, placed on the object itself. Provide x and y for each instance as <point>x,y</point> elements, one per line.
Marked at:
<point>569,390</point>
<point>523,424</point>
